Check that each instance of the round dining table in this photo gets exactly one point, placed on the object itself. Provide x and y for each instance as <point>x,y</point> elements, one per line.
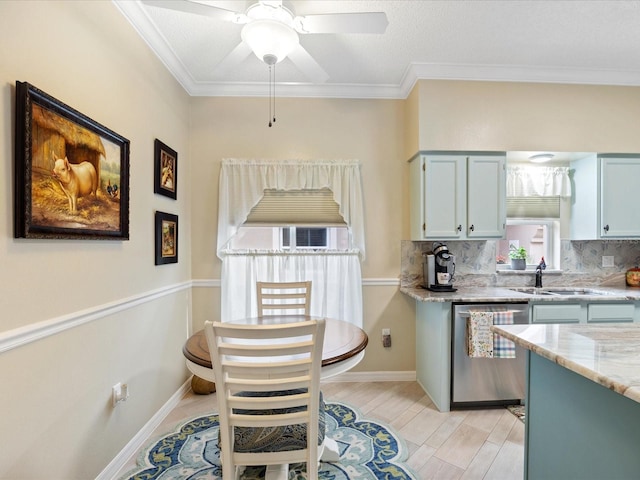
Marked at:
<point>343,348</point>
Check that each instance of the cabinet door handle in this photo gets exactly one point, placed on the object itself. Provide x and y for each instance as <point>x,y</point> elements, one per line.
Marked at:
<point>472,228</point>
<point>606,228</point>
<point>459,228</point>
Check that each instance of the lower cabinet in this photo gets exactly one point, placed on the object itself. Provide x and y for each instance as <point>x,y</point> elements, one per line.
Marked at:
<point>433,336</point>
<point>612,312</point>
<point>557,313</point>
<point>433,351</point>
<point>582,312</point>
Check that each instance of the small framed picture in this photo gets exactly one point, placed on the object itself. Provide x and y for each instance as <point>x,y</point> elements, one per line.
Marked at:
<point>166,238</point>
<point>166,170</point>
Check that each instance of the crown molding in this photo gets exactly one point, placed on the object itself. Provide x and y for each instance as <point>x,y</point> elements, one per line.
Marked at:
<point>136,15</point>
<point>516,73</point>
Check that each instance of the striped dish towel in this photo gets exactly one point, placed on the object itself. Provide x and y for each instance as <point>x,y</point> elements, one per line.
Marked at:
<point>479,336</point>
<point>503,348</point>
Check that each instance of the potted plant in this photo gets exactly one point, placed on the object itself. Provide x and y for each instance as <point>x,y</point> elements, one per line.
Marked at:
<point>518,258</point>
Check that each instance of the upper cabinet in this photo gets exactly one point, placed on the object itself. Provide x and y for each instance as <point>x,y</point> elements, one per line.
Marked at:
<point>603,200</point>
<point>458,195</point>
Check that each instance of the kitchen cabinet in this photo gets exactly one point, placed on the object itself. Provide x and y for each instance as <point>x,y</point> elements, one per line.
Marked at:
<point>433,351</point>
<point>582,312</point>
<point>560,312</point>
<point>458,196</point>
<point>611,312</point>
<point>434,320</point>
<point>603,207</point>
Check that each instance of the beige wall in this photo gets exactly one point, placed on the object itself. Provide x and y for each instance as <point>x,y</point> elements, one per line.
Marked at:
<point>412,122</point>
<point>55,393</point>
<point>368,130</point>
<point>462,115</point>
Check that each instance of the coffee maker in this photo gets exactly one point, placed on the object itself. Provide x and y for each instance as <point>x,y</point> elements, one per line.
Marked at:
<point>439,267</point>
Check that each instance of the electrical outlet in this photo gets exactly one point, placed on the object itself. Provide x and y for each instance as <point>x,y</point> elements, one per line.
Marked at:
<point>607,261</point>
<point>119,393</point>
<point>386,337</point>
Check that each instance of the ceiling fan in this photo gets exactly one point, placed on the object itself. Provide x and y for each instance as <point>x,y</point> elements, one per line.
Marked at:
<point>271,31</point>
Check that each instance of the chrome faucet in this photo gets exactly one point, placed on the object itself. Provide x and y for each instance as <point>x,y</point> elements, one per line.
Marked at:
<point>541,266</point>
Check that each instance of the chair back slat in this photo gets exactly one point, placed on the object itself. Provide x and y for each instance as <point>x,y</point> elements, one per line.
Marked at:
<point>283,297</point>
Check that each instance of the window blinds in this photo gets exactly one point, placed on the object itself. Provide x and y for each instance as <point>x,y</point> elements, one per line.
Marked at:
<point>533,207</point>
<point>296,207</point>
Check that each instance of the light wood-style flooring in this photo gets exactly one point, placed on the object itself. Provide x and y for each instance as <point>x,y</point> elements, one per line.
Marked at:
<point>465,445</point>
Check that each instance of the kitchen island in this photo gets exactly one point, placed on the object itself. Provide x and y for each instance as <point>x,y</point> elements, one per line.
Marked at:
<point>583,400</point>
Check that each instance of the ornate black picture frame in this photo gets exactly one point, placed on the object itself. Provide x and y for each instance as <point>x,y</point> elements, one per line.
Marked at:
<point>71,173</point>
<point>166,170</point>
<point>166,238</point>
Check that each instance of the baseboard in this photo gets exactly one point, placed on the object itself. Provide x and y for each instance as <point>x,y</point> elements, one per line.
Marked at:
<point>394,376</point>
<point>143,435</point>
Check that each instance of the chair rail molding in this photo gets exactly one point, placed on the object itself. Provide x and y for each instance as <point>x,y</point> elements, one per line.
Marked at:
<point>366,282</point>
<point>30,333</point>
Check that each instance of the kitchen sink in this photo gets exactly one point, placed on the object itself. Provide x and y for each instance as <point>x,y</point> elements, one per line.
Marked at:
<point>581,291</point>
<point>531,291</point>
<point>558,291</point>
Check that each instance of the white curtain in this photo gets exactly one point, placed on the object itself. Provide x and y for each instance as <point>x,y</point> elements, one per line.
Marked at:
<point>243,182</point>
<point>336,281</point>
<point>335,275</point>
<point>538,181</point>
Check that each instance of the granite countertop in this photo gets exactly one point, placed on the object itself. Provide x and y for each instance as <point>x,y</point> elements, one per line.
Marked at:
<point>607,354</point>
<point>506,294</point>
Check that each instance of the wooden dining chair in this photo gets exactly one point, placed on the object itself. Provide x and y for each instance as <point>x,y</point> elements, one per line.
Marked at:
<point>268,387</point>
<point>287,297</point>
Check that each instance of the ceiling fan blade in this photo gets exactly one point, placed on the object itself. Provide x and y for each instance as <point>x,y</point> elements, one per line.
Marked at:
<point>365,22</point>
<point>307,65</point>
<point>233,59</point>
<point>187,6</point>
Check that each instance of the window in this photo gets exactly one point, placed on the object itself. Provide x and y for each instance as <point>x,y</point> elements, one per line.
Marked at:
<point>540,237</point>
<point>538,209</point>
<point>291,221</point>
<point>251,237</point>
<point>304,237</point>
<point>533,223</point>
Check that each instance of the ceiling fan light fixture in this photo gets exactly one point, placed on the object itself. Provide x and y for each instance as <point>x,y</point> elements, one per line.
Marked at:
<point>270,38</point>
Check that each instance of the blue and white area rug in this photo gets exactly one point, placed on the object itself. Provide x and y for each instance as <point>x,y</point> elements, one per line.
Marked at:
<point>368,450</point>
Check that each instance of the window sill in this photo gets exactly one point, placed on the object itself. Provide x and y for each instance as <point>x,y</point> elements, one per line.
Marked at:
<point>531,270</point>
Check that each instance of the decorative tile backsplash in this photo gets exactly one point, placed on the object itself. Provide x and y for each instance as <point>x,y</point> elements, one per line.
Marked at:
<point>580,263</point>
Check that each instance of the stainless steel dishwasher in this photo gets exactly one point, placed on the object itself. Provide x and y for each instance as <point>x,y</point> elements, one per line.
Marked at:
<point>485,382</point>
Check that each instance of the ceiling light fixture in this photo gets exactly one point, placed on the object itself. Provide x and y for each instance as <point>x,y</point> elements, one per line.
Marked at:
<point>541,157</point>
<point>270,38</point>
<point>271,41</point>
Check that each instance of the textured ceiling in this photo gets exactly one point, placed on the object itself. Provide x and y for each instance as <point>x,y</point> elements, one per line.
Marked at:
<point>591,42</point>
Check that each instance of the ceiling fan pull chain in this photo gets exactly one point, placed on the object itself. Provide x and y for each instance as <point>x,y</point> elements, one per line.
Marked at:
<point>269,95</point>
<point>274,93</point>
